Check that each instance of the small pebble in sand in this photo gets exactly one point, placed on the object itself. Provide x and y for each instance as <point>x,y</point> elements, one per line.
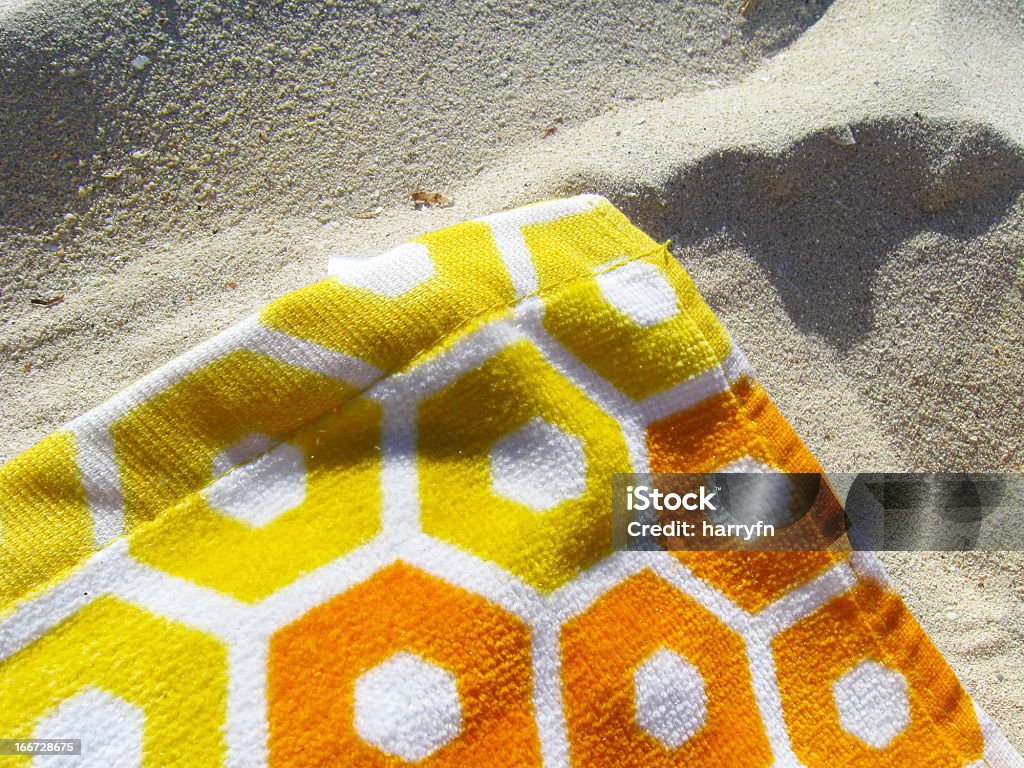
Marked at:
<point>423,199</point>
<point>140,62</point>
<point>841,136</point>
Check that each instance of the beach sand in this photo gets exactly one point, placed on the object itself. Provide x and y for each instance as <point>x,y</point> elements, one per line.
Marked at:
<point>844,181</point>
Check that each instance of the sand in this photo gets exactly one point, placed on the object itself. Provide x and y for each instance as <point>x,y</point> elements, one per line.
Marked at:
<point>845,182</point>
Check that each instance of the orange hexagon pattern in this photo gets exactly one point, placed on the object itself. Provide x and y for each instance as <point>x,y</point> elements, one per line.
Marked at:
<point>868,631</point>
<point>604,649</point>
<point>317,663</point>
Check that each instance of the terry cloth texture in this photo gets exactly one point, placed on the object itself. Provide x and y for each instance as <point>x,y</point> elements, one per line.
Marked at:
<point>372,525</point>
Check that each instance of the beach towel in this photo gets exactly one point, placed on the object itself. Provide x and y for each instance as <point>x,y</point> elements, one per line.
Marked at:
<point>371,526</point>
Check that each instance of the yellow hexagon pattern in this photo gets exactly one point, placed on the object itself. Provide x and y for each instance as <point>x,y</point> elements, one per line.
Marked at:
<point>39,506</point>
<point>174,676</point>
<point>462,499</point>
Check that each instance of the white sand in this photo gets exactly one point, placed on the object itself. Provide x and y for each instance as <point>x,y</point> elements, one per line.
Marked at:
<point>878,287</point>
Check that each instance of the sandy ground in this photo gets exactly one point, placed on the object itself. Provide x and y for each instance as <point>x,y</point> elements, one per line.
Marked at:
<point>845,182</point>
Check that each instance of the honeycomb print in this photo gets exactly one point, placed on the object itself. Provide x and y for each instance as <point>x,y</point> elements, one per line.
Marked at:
<point>370,526</point>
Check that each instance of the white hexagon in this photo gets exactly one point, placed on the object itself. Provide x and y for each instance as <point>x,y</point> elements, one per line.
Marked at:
<point>391,273</point>
<point>671,700</point>
<point>638,290</point>
<point>246,449</point>
<point>872,703</point>
<point>539,465</point>
<point>747,463</point>
<point>767,498</point>
<point>262,490</point>
<point>110,729</point>
<point>407,707</point>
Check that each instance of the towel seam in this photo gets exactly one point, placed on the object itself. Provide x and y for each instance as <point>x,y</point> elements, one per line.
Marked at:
<point>433,346</point>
